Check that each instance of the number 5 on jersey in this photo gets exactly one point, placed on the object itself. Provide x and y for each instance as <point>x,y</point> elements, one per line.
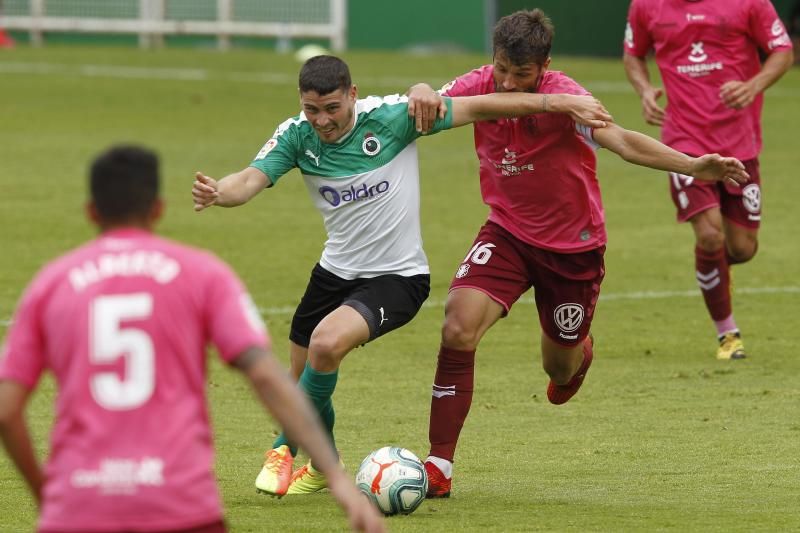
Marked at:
<point>109,341</point>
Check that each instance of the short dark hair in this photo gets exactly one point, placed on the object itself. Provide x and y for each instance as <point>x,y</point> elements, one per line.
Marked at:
<point>324,75</point>
<point>524,37</point>
<point>124,182</point>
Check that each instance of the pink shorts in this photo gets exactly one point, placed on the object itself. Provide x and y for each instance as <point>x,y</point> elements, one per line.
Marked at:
<point>740,205</point>
<point>566,285</point>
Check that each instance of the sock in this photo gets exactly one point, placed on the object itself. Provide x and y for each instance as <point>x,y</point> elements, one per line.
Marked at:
<point>442,464</point>
<point>725,326</point>
<point>452,397</point>
<point>319,387</point>
<point>713,277</point>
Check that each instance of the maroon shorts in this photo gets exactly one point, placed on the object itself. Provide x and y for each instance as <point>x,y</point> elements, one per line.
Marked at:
<point>566,285</point>
<point>740,205</point>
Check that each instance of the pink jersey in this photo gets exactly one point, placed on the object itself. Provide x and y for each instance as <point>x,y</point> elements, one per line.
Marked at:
<point>698,47</point>
<point>123,323</point>
<point>538,173</point>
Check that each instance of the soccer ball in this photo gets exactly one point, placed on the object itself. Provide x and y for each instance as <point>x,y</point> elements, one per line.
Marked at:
<point>394,479</point>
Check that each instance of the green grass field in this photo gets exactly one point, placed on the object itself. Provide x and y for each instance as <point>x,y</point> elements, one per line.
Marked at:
<point>662,436</point>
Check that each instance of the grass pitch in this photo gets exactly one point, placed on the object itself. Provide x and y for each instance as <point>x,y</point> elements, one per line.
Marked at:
<point>661,437</point>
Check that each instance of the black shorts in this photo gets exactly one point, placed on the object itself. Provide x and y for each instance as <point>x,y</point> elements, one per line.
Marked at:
<point>386,302</point>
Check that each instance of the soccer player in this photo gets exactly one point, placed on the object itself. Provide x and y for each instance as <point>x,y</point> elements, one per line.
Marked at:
<point>123,323</point>
<point>708,56</point>
<point>545,230</point>
<point>359,161</point>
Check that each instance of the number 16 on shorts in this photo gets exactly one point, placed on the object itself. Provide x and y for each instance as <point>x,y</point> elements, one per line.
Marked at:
<point>479,255</point>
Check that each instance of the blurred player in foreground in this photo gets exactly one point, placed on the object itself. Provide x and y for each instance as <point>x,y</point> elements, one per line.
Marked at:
<point>123,323</point>
<point>546,226</point>
<point>708,56</point>
<point>358,158</point>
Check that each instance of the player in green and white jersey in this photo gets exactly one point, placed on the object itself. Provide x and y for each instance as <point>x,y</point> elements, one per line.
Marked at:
<point>358,158</point>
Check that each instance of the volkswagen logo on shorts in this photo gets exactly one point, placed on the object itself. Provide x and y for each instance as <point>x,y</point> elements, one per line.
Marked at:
<point>371,144</point>
<point>751,198</point>
<point>569,317</point>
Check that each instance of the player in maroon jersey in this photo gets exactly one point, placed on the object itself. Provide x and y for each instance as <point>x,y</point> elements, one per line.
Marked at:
<point>546,226</point>
<point>708,55</point>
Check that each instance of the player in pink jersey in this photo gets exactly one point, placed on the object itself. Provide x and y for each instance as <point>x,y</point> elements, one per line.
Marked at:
<point>708,54</point>
<point>123,323</point>
<point>545,230</point>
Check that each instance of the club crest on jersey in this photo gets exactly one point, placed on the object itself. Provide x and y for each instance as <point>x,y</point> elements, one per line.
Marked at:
<point>371,144</point>
<point>568,317</point>
<point>699,62</point>
<point>463,270</point>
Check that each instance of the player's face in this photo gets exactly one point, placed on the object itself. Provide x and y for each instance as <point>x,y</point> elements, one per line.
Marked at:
<point>510,78</point>
<point>331,115</point>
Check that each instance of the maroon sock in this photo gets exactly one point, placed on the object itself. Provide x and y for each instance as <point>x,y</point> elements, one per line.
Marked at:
<point>713,277</point>
<point>451,400</point>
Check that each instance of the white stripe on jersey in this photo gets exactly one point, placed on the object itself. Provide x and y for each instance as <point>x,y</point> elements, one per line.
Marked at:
<point>586,133</point>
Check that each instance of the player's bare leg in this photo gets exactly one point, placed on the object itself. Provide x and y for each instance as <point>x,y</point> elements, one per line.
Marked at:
<point>566,366</point>
<point>298,356</point>
<point>333,338</point>
<point>741,243</point>
<point>712,267</point>
<point>469,313</point>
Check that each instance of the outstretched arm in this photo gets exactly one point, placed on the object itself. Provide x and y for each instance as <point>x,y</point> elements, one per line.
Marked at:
<point>640,149</point>
<point>585,110</point>
<point>294,413</point>
<point>425,104</point>
<point>15,436</point>
<point>232,190</point>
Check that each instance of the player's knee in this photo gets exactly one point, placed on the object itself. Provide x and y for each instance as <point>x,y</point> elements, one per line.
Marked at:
<point>327,348</point>
<point>742,252</point>
<point>457,334</point>
<point>710,240</point>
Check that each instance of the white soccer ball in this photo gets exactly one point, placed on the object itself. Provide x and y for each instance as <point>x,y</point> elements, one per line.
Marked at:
<point>394,479</point>
<point>304,53</point>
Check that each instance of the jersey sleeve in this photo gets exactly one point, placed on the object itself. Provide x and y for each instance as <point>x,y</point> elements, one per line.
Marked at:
<point>766,27</point>
<point>465,85</point>
<point>233,321</point>
<point>393,112</point>
<point>22,357</point>
<point>279,154</point>
<point>587,133</point>
<point>638,40</point>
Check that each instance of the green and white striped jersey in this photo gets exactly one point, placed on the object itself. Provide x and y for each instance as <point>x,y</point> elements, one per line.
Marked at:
<point>366,186</point>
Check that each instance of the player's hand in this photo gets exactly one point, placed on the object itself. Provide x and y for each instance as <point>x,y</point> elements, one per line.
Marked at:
<point>714,167</point>
<point>585,110</point>
<point>738,94</point>
<point>205,191</point>
<point>361,513</point>
<point>425,105</point>
<point>652,112</point>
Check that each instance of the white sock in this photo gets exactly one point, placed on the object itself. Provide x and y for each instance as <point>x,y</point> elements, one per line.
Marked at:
<point>442,464</point>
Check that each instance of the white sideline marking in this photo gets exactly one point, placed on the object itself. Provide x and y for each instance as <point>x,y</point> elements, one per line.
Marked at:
<point>200,74</point>
<point>637,295</point>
